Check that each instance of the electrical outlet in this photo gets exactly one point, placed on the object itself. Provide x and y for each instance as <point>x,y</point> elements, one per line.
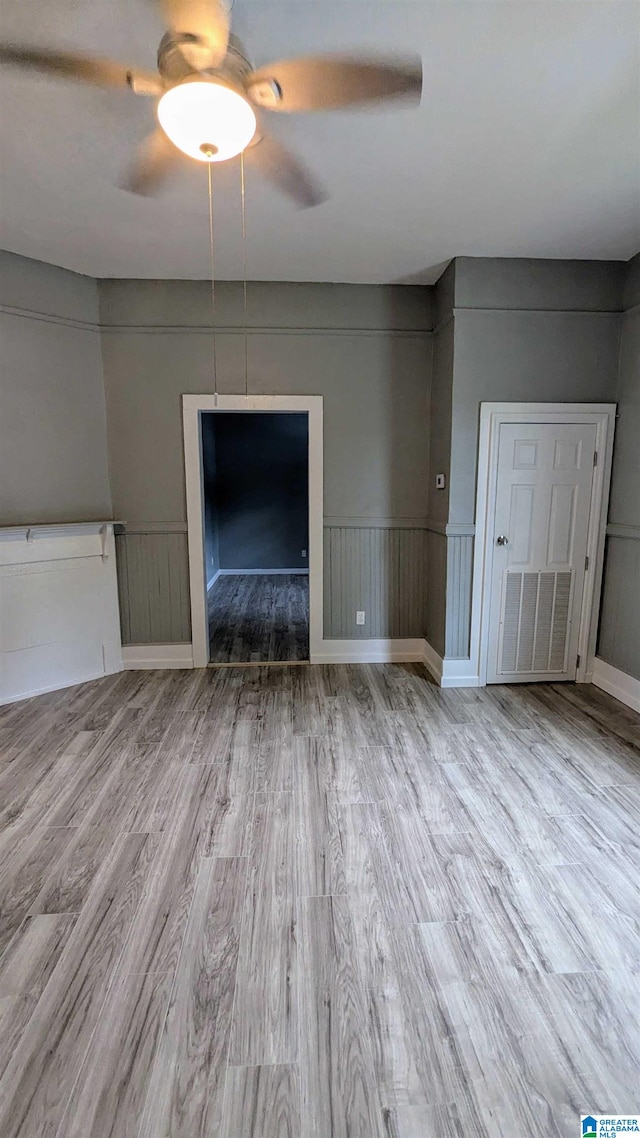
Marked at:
<point>441,481</point>
<point>359,618</point>
<point>304,553</point>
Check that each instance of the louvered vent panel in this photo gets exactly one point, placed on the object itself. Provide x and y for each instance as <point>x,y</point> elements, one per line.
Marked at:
<point>511,621</point>
<point>527,621</point>
<point>560,622</point>
<point>545,619</point>
<point>535,622</point>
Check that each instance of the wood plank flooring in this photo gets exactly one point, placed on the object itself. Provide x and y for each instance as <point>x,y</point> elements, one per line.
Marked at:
<point>317,902</point>
<point>256,618</point>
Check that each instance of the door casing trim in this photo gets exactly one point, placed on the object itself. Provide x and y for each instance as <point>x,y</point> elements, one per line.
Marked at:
<point>492,415</point>
<point>193,407</point>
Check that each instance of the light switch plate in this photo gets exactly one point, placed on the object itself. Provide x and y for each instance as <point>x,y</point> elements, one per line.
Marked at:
<point>441,481</point>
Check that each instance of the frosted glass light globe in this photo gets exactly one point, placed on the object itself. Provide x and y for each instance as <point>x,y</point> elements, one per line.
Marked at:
<point>207,120</point>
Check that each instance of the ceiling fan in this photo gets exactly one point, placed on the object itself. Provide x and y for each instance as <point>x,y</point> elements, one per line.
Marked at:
<point>210,95</point>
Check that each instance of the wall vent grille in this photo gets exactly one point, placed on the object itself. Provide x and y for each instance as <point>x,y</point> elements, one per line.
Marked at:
<point>536,622</point>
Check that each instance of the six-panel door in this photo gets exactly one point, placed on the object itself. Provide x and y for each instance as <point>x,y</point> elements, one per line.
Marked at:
<point>543,498</point>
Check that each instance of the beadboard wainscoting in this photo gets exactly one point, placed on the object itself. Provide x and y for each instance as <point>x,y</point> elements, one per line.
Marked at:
<point>373,565</point>
<point>448,603</point>
<point>379,569</point>
<point>153,583</point>
<point>460,542</point>
<point>435,604</point>
<point>619,640</point>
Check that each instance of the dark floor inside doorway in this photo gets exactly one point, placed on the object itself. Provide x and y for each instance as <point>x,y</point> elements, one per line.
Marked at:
<point>259,617</point>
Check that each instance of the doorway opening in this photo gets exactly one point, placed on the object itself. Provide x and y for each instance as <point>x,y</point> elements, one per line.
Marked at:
<point>195,409</point>
<point>255,477</point>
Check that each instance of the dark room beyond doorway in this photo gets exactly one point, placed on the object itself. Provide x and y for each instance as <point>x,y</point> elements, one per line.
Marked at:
<point>256,494</point>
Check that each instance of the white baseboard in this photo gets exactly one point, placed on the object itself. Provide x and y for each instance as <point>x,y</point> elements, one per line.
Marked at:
<point>261,573</point>
<point>616,683</point>
<point>449,673</point>
<point>211,582</point>
<point>16,698</point>
<point>431,660</point>
<point>145,657</point>
<point>371,651</point>
<point>459,674</point>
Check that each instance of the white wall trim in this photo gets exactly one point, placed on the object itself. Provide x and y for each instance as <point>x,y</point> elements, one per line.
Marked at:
<point>449,673</point>
<point>39,530</point>
<point>260,573</point>
<point>459,674</point>
<point>630,533</point>
<point>58,607</point>
<point>212,580</point>
<point>602,415</point>
<point>432,661</point>
<point>450,529</point>
<point>192,408</point>
<point>5,701</point>
<point>616,683</point>
<point>369,651</point>
<point>144,657</point>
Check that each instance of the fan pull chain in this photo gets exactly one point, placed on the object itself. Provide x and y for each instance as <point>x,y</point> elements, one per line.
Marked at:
<point>244,278</point>
<point>213,286</point>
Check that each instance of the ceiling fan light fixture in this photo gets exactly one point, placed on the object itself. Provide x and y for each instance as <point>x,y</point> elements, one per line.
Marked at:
<point>207,120</point>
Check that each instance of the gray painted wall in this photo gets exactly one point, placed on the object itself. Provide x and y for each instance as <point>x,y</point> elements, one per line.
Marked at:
<point>619,633</point>
<point>258,489</point>
<point>539,284</point>
<point>505,330</point>
<point>520,330</point>
<point>523,356</point>
<point>440,421</point>
<point>53,452</point>
<point>365,349</point>
<point>440,412</point>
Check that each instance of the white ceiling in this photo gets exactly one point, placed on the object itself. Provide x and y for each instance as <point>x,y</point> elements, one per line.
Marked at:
<point>527,143</point>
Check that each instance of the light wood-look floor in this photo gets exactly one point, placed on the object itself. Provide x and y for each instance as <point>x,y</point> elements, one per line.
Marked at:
<point>259,617</point>
<point>317,902</point>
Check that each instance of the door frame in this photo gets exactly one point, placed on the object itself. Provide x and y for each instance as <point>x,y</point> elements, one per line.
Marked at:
<point>193,407</point>
<point>492,415</point>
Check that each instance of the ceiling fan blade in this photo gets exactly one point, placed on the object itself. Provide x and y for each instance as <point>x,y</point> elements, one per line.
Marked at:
<point>68,65</point>
<point>326,83</point>
<point>155,161</point>
<point>284,170</point>
<point>201,28</point>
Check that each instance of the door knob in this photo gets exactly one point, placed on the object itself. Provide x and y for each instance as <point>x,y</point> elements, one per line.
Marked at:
<point>502,539</point>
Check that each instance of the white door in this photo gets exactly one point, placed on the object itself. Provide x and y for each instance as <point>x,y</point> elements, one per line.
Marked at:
<point>542,504</point>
